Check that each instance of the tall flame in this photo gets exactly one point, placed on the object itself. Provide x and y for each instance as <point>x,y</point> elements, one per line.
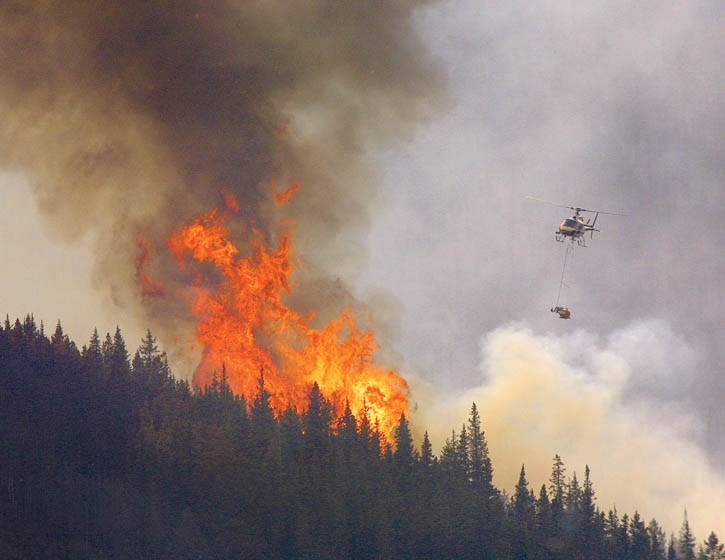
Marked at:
<point>246,328</point>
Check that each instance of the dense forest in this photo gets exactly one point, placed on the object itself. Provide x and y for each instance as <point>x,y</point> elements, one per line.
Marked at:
<point>104,455</point>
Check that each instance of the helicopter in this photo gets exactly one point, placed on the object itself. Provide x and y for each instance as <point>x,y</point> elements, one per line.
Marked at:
<point>573,229</point>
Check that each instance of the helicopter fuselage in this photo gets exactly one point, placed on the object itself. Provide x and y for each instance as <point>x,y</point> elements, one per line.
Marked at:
<point>573,229</point>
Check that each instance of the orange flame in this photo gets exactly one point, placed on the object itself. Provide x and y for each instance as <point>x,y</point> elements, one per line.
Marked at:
<point>246,328</point>
<point>283,197</point>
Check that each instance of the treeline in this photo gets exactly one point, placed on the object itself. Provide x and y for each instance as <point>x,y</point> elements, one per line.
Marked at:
<point>104,455</point>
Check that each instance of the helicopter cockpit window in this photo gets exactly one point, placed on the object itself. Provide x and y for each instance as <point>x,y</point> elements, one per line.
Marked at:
<point>569,222</point>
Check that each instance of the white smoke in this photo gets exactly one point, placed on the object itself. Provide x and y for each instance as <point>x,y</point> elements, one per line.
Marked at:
<point>579,395</point>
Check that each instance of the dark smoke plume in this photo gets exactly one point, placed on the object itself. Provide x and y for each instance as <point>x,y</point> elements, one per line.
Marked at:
<point>128,118</point>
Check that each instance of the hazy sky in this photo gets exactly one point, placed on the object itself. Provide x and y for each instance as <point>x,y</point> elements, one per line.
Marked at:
<point>605,105</point>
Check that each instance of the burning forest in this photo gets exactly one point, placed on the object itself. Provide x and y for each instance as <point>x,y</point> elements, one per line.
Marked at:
<point>246,329</point>
<point>163,131</point>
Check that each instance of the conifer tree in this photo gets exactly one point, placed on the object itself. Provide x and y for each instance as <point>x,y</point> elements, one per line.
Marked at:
<point>523,520</point>
<point>92,355</point>
<point>427,458</point>
<point>543,515</point>
<point>449,459</point>
<point>265,466</point>
<point>671,548</point>
<point>150,366</point>
<point>714,549</point>
<point>291,458</point>
<point>573,496</point>
<point>262,421</point>
<point>427,466</point>
<point>59,340</point>
<point>316,425</point>
<point>404,456</point>
<point>462,455</point>
<point>523,501</point>
<point>115,356</point>
<point>586,523</point>
<point>479,461</point>
<point>639,538</point>
<point>29,328</point>
<point>557,483</point>
<point>291,442</point>
<point>611,534</point>
<point>587,498</point>
<point>686,543</point>
<point>347,433</point>
<point>624,537</point>
<point>657,541</point>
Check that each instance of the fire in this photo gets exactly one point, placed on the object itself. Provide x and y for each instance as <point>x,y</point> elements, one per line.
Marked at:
<point>246,328</point>
<point>283,197</point>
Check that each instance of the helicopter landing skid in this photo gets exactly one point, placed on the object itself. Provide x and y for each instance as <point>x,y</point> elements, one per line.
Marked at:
<point>564,238</point>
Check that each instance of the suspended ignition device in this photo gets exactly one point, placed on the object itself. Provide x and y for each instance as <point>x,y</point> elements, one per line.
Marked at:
<point>574,228</point>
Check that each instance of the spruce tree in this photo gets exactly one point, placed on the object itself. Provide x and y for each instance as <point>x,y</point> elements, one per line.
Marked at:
<point>557,483</point>
<point>59,341</point>
<point>462,455</point>
<point>115,356</point>
<point>611,534</point>
<point>427,459</point>
<point>587,499</point>
<point>713,549</point>
<point>479,461</point>
<point>657,541</point>
<point>573,497</point>
<point>543,516</point>
<point>625,542</point>
<point>347,434</point>
<point>449,459</point>
<point>586,524</point>
<point>671,548</point>
<point>92,355</point>
<point>151,367</point>
<point>264,430</point>
<point>427,470</point>
<point>404,456</point>
<point>639,538</point>
<point>523,520</point>
<point>686,543</point>
<point>317,425</point>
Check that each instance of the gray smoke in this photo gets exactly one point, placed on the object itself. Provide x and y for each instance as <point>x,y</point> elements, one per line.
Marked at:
<point>130,118</point>
<point>601,104</point>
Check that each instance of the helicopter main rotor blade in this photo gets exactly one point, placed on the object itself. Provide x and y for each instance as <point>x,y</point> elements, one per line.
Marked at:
<point>600,212</point>
<point>553,203</point>
<point>576,209</point>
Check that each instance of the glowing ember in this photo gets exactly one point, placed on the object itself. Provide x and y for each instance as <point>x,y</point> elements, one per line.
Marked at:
<point>246,328</point>
<point>283,197</point>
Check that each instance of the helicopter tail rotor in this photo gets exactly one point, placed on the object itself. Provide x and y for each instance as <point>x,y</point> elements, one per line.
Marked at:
<point>592,228</point>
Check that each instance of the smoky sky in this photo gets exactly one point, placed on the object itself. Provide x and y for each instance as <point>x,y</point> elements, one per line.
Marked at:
<point>604,105</point>
<point>130,118</point>
<point>416,130</point>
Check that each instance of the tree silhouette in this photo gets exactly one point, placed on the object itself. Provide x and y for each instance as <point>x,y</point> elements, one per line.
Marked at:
<point>686,543</point>
<point>100,458</point>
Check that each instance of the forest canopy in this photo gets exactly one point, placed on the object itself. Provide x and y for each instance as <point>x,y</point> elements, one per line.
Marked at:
<point>104,454</point>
